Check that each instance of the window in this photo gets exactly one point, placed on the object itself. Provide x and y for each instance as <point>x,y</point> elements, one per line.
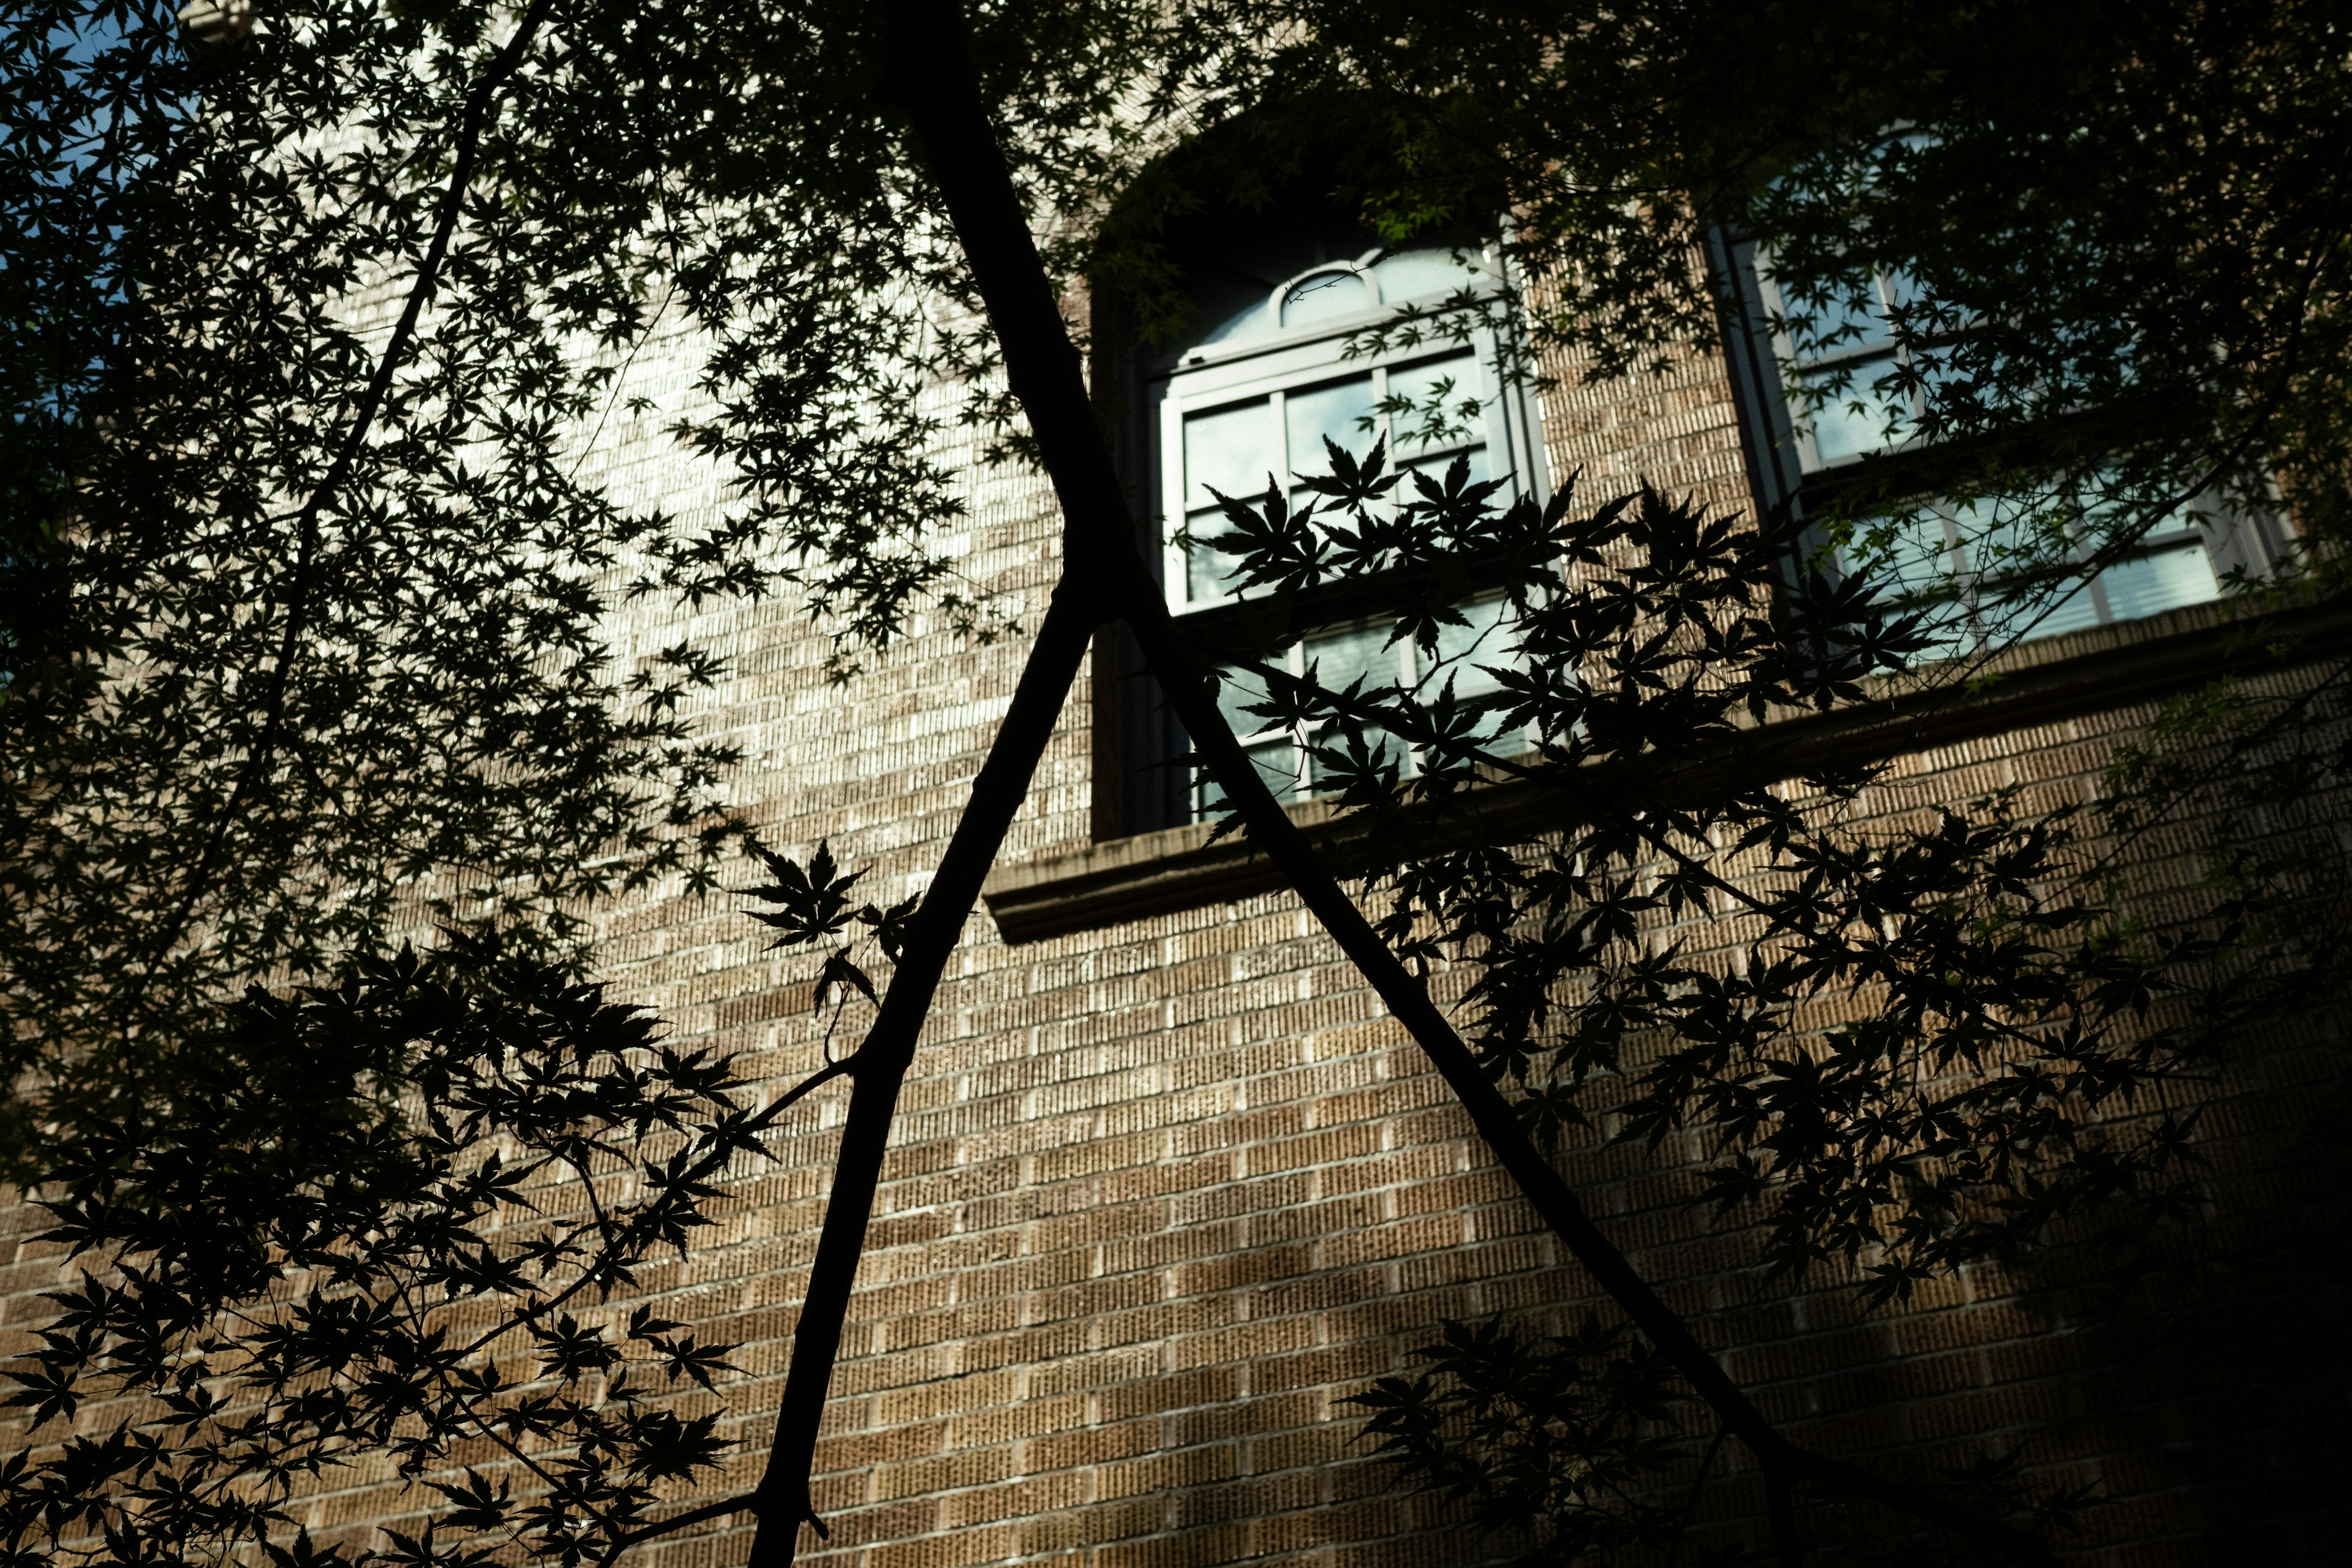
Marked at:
<point>1264,390</point>
<point>1272,369</point>
<point>1828,400</point>
<point>1342,653</point>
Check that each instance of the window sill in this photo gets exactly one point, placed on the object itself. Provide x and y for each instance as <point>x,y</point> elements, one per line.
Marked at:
<point>2090,670</point>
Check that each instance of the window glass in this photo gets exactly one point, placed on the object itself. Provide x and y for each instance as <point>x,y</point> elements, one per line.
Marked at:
<point>1356,652</point>
<point>1325,297</point>
<point>1207,569</point>
<point>1437,404</point>
<point>1980,570</point>
<point>1240,690</point>
<point>1341,656</point>
<point>2074,612</point>
<point>1985,570</point>
<point>2165,581</point>
<point>1341,412</point>
<point>1836,323</point>
<point>1855,417</point>
<point>1912,555</point>
<point>1483,640</point>
<point>1997,539</point>
<point>1914,561</point>
<point>1360,649</point>
<point>1410,275</point>
<point>1234,451</point>
<point>1268,406</point>
<point>1465,655</point>
<point>1277,762</point>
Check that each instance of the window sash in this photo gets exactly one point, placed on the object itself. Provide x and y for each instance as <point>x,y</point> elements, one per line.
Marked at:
<point>1271,377</point>
<point>1486,642</point>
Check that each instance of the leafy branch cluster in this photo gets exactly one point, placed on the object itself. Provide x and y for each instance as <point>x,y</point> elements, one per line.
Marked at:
<point>1558,1443</point>
<point>814,905</point>
<point>1686,918</point>
<point>305,625</point>
<point>285,671</point>
<point>375,1223</point>
<point>1556,1449</point>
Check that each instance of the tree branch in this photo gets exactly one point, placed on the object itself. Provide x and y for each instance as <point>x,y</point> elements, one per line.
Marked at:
<point>783,1499</point>
<point>719,1509</point>
<point>931,79</point>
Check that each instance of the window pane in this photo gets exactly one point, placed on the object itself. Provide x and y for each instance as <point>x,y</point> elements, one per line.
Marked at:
<point>1232,448</point>
<point>1841,323</point>
<point>1446,410</point>
<point>2077,610</point>
<point>1486,640</point>
<point>1911,562</point>
<point>2154,584</point>
<point>1325,297</point>
<point>2013,533</point>
<point>1904,555</point>
<point>1853,418</point>
<point>1276,764</point>
<point>1335,410</point>
<point>1239,691</point>
<point>2109,506</point>
<point>1406,275</point>
<point>1341,654</point>
<point>1206,566</point>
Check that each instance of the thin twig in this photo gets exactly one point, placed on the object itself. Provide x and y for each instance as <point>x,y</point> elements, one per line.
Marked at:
<point>747,1503</point>
<point>1699,1487</point>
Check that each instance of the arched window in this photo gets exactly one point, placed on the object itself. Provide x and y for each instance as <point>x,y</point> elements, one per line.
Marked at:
<point>1265,387</point>
<point>1276,362</point>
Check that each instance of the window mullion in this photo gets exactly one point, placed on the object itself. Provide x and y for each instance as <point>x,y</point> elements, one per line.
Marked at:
<point>1294,662</point>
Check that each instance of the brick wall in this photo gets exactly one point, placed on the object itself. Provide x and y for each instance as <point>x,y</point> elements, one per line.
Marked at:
<point>1163,1196</point>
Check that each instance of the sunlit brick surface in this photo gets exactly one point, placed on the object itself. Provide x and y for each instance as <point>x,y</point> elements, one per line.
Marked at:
<point>1163,1196</point>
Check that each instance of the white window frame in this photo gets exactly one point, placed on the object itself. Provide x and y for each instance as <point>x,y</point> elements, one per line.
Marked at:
<point>1279,360</point>
<point>1286,360</point>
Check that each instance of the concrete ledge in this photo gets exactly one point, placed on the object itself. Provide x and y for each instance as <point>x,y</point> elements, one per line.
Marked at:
<point>2092,670</point>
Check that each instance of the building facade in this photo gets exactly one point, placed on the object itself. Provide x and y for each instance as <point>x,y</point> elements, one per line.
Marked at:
<point>1168,1187</point>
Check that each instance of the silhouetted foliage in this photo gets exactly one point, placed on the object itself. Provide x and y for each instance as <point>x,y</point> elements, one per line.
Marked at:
<point>2021,1047</point>
<point>1683,910</point>
<point>1561,1442</point>
<point>307,627</point>
<point>367,1231</point>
